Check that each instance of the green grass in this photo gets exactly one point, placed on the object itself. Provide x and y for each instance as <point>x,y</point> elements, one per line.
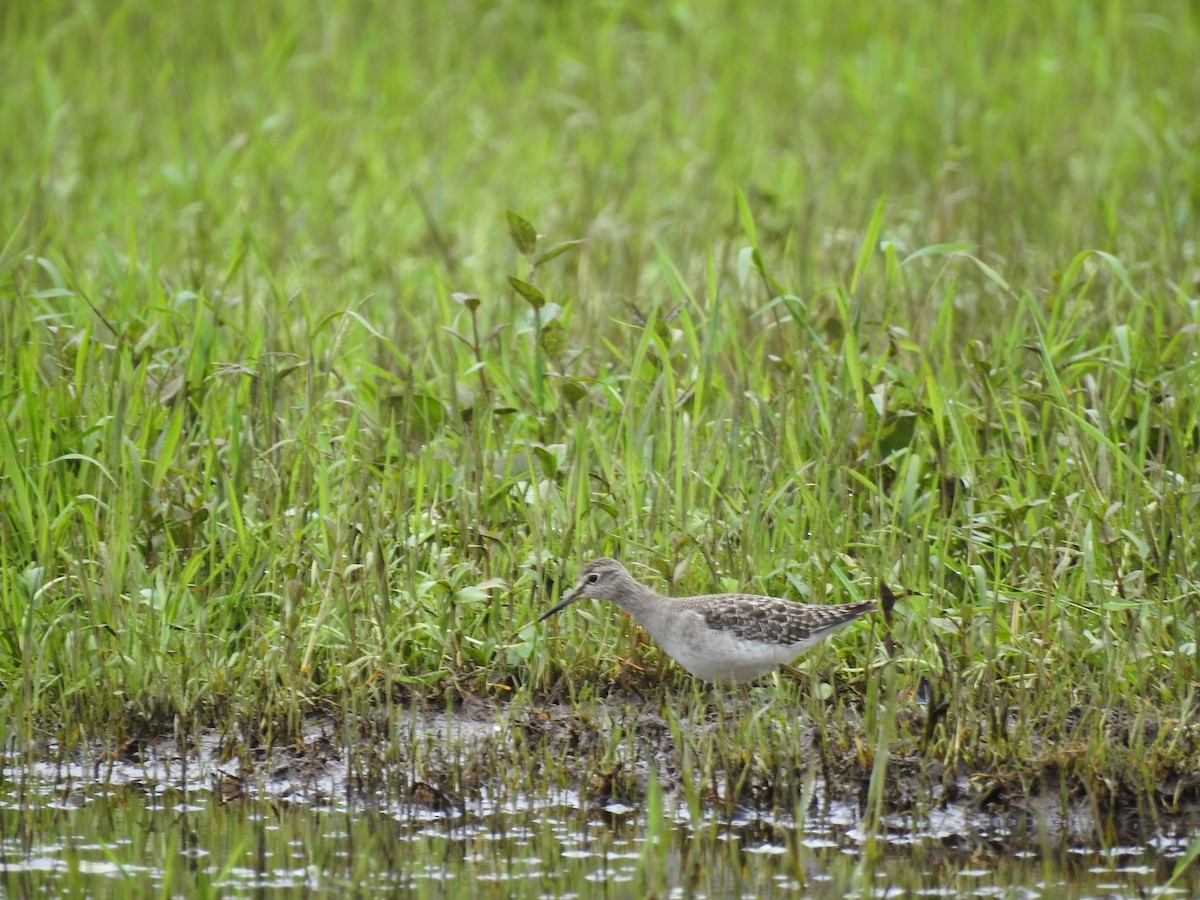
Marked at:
<point>900,292</point>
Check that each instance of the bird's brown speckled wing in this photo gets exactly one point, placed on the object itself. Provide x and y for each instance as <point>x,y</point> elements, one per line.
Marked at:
<point>769,620</point>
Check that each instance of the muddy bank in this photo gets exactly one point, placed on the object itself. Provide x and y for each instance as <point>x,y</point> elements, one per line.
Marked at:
<point>612,754</point>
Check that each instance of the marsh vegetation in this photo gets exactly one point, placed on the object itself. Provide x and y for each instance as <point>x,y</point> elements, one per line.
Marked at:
<point>333,345</point>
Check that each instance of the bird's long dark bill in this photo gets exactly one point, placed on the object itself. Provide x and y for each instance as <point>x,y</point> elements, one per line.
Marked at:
<point>563,604</point>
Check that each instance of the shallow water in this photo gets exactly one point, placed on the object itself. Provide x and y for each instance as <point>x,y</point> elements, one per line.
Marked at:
<point>135,828</point>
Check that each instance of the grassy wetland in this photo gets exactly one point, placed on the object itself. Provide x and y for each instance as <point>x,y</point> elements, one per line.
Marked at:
<point>334,344</point>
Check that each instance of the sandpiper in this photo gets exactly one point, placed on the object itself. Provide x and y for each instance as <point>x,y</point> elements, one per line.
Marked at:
<point>717,637</point>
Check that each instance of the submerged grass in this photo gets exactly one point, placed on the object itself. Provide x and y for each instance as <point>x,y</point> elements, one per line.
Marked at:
<point>900,294</point>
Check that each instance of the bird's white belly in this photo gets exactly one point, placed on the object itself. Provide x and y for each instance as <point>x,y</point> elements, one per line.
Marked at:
<point>720,656</point>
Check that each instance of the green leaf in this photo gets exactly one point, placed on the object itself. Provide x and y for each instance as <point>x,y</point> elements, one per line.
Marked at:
<point>850,351</point>
<point>536,319</point>
<point>519,653</point>
<point>167,443</point>
<point>991,274</point>
<point>458,334</point>
<point>547,461</point>
<point>573,391</point>
<point>674,278</point>
<point>556,250</point>
<point>745,259</point>
<point>1118,269</point>
<point>425,413</point>
<point>937,404</point>
<point>854,368</point>
<point>532,295</point>
<point>870,242</point>
<point>936,250</point>
<point>746,218</point>
<point>553,338</point>
<point>522,233</point>
<point>239,256</point>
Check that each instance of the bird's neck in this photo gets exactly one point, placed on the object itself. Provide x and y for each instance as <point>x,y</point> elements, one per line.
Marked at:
<point>640,602</point>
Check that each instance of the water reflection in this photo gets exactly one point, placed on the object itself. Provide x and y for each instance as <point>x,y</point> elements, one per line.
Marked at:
<point>129,834</point>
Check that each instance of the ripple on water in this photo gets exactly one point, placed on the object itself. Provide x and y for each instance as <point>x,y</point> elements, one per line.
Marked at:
<point>158,825</point>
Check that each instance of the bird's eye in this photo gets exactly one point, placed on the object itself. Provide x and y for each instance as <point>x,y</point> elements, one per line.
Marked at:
<point>593,578</point>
